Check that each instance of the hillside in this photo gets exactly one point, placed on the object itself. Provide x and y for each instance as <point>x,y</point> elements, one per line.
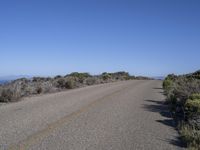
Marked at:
<point>19,88</point>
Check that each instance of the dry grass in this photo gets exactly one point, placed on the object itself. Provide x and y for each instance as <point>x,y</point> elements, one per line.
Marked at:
<point>24,87</point>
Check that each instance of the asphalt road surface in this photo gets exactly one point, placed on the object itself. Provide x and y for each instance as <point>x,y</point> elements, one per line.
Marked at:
<point>127,115</point>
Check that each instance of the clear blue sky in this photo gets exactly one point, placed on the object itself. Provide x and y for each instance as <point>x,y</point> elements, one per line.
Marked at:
<point>143,37</point>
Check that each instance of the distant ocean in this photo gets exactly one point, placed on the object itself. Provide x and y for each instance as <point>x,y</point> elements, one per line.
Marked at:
<point>3,81</point>
<point>159,78</point>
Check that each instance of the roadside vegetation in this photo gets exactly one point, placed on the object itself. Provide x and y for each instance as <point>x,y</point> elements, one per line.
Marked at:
<point>19,88</point>
<point>183,97</point>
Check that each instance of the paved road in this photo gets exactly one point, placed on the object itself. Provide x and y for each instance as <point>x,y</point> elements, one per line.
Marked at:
<point>126,115</point>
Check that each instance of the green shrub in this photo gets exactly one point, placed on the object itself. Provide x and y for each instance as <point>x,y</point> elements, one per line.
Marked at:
<point>39,79</point>
<point>69,84</point>
<point>57,77</point>
<point>39,90</point>
<point>192,107</point>
<point>79,76</point>
<point>167,84</point>
<point>132,77</point>
<point>91,81</point>
<point>6,95</point>
<point>190,136</point>
<point>116,76</point>
<point>180,88</point>
<point>61,83</point>
<point>172,77</point>
<point>180,93</point>
<point>195,96</point>
<point>120,75</point>
<point>106,76</point>
<point>196,74</point>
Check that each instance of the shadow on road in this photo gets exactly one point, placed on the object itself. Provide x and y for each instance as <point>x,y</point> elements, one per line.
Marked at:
<point>160,107</point>
<point>157,106</point>
<point>158,88</point>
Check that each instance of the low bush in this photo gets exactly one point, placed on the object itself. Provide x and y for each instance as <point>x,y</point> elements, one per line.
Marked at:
<point>181,88</point>
<point>66,83</point>
<point>183,95</point>
<point>192,110</point>
<point>194,96</point>
<point>70,84</point>
<point>190,136</point>
<point>80,77</point>
<point>6,95</point>
<point>14,90</point>
<point>39,90</point>
<point>40,79</point>
<point>92,81</point>
<point>192,107</point>
<point>61,83</point>
<point>195,75</point>
<point>117,76</point>
<point>167,84</point>
<point>57,77</point>
<point>106,76</point>
<point>186,87</point>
